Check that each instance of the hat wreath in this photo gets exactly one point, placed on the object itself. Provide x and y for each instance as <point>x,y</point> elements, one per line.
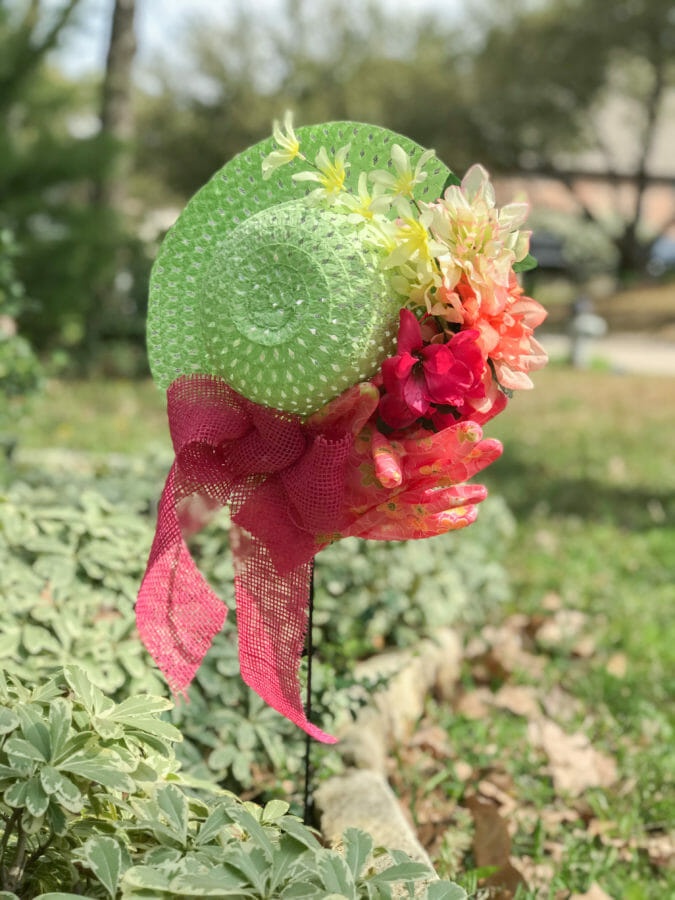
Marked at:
<point>334,315</point>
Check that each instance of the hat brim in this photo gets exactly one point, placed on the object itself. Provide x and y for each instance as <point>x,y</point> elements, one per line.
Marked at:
<point>179,342</point>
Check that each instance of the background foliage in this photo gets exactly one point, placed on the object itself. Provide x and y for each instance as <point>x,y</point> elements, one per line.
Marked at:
<point>92,803</point>
<point>93,168</point>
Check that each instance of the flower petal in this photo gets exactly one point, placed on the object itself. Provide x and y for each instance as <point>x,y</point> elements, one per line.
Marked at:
<point>409,332</point>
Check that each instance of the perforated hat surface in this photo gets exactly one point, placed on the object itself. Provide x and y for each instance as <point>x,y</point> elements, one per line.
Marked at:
<point>281,299</point>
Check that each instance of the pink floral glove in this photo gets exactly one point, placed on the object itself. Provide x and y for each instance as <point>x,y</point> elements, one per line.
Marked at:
<point>411,487</point>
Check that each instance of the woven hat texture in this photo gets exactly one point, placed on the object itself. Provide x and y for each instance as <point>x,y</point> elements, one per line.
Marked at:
<point>281,299</point>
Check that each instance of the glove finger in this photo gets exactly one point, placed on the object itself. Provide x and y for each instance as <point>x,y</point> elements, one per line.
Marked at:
<point>348,412</point>
<point>437,500</point>
<point>387,460</point>
<point>380,527</point>
<point>433,448</point>
<point>478,458</point>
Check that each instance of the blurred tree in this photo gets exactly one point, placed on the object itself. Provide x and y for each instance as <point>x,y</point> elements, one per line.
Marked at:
<point>542,83</point>
<point>20,371</point>
<point>52,153</point>
<point>24,44</point>
<point>117,121</point>
<point>325,61</point>
<point>517,85</point>
<point>118,314</point>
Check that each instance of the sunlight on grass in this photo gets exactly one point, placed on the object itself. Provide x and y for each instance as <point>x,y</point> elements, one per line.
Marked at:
<point>96,416</point>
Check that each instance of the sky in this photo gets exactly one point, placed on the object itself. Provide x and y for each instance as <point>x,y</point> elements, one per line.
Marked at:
<point>160,25</point>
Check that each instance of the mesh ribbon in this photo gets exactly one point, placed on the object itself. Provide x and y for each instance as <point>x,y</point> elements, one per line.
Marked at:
<point>284,484</point>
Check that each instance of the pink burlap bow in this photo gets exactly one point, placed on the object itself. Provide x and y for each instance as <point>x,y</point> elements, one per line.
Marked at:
<point>284,484</point>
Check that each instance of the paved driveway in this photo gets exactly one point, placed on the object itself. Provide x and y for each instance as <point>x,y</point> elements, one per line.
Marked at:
<point>638,354</point>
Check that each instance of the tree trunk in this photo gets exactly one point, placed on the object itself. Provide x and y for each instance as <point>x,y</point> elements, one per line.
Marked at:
<point>116,108</point>
<point>110,194</point>
<point>633,253</point>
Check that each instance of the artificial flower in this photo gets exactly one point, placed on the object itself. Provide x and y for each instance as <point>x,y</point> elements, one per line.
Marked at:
<point>505,333</point>
<point>413,242</point>
<point>482,243</point>
<point>364,204</point>
<point>330,175</point>
<point>405,179</point>
<point>289,147</point>
<point>474,409</point>
<point>425,375</point>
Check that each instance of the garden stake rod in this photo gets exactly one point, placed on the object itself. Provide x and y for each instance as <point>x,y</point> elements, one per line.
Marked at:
<point>308,803</point>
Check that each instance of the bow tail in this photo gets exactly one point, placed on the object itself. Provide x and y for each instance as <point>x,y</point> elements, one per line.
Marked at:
<point>177,613</point>
<point>272,624</point>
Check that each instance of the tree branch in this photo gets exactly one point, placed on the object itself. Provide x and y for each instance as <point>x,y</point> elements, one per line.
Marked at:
<point>15,873</point>
<point>649,133</point>
<point>9,828</point>
<point>36,854</point>
<point>26,56</point>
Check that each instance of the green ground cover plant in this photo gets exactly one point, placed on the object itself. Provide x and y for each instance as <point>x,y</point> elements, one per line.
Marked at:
<point>94,806</point>
<point>72,555</point>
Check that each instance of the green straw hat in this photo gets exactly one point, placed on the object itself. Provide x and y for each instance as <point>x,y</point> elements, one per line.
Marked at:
<point>283,299</point>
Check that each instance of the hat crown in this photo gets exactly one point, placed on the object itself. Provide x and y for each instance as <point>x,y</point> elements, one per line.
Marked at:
<point>304,303</point>
<point>191,274</point>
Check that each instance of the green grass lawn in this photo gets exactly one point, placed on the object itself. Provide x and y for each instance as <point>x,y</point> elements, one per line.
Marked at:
<point>588,471</point>
<point>97,416</point>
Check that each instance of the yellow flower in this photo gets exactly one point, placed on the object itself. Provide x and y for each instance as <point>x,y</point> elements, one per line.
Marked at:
<point>380,233</point>
<point>289,146</point>
<point>365,205</point>
<point>330,175</point>
<point>414,244</point>
<point>405,179</point>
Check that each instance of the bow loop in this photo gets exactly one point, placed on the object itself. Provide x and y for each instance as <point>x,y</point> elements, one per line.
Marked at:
<point>284,482</point>
<point>274,442</point>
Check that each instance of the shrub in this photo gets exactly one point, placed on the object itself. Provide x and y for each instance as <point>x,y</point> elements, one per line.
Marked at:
<point>70,759</point>
<point>92,803</point>
<point>71,559</point>
<point>20,371</point>
<point>372,594</point>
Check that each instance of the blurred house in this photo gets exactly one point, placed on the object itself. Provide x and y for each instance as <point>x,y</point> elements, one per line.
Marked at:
<point>604,179</point>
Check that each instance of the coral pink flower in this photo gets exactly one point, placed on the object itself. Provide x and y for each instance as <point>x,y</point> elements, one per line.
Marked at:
<point>505,332</point>
<point>425,375</point>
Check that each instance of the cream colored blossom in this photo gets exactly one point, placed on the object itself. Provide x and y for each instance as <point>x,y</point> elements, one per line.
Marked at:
<point>481,242</point>
<point>403,179</point>
<point>364,204</point>
<point>288,144</point>
<point>330,175</point>
<point>414,243</point>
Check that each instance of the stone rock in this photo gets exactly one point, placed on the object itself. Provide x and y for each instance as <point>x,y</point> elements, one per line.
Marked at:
<point>432,665</point>
<point>363,799</point>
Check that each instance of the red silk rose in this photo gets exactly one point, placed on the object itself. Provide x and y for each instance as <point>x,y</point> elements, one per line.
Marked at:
<point>423,375</point>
